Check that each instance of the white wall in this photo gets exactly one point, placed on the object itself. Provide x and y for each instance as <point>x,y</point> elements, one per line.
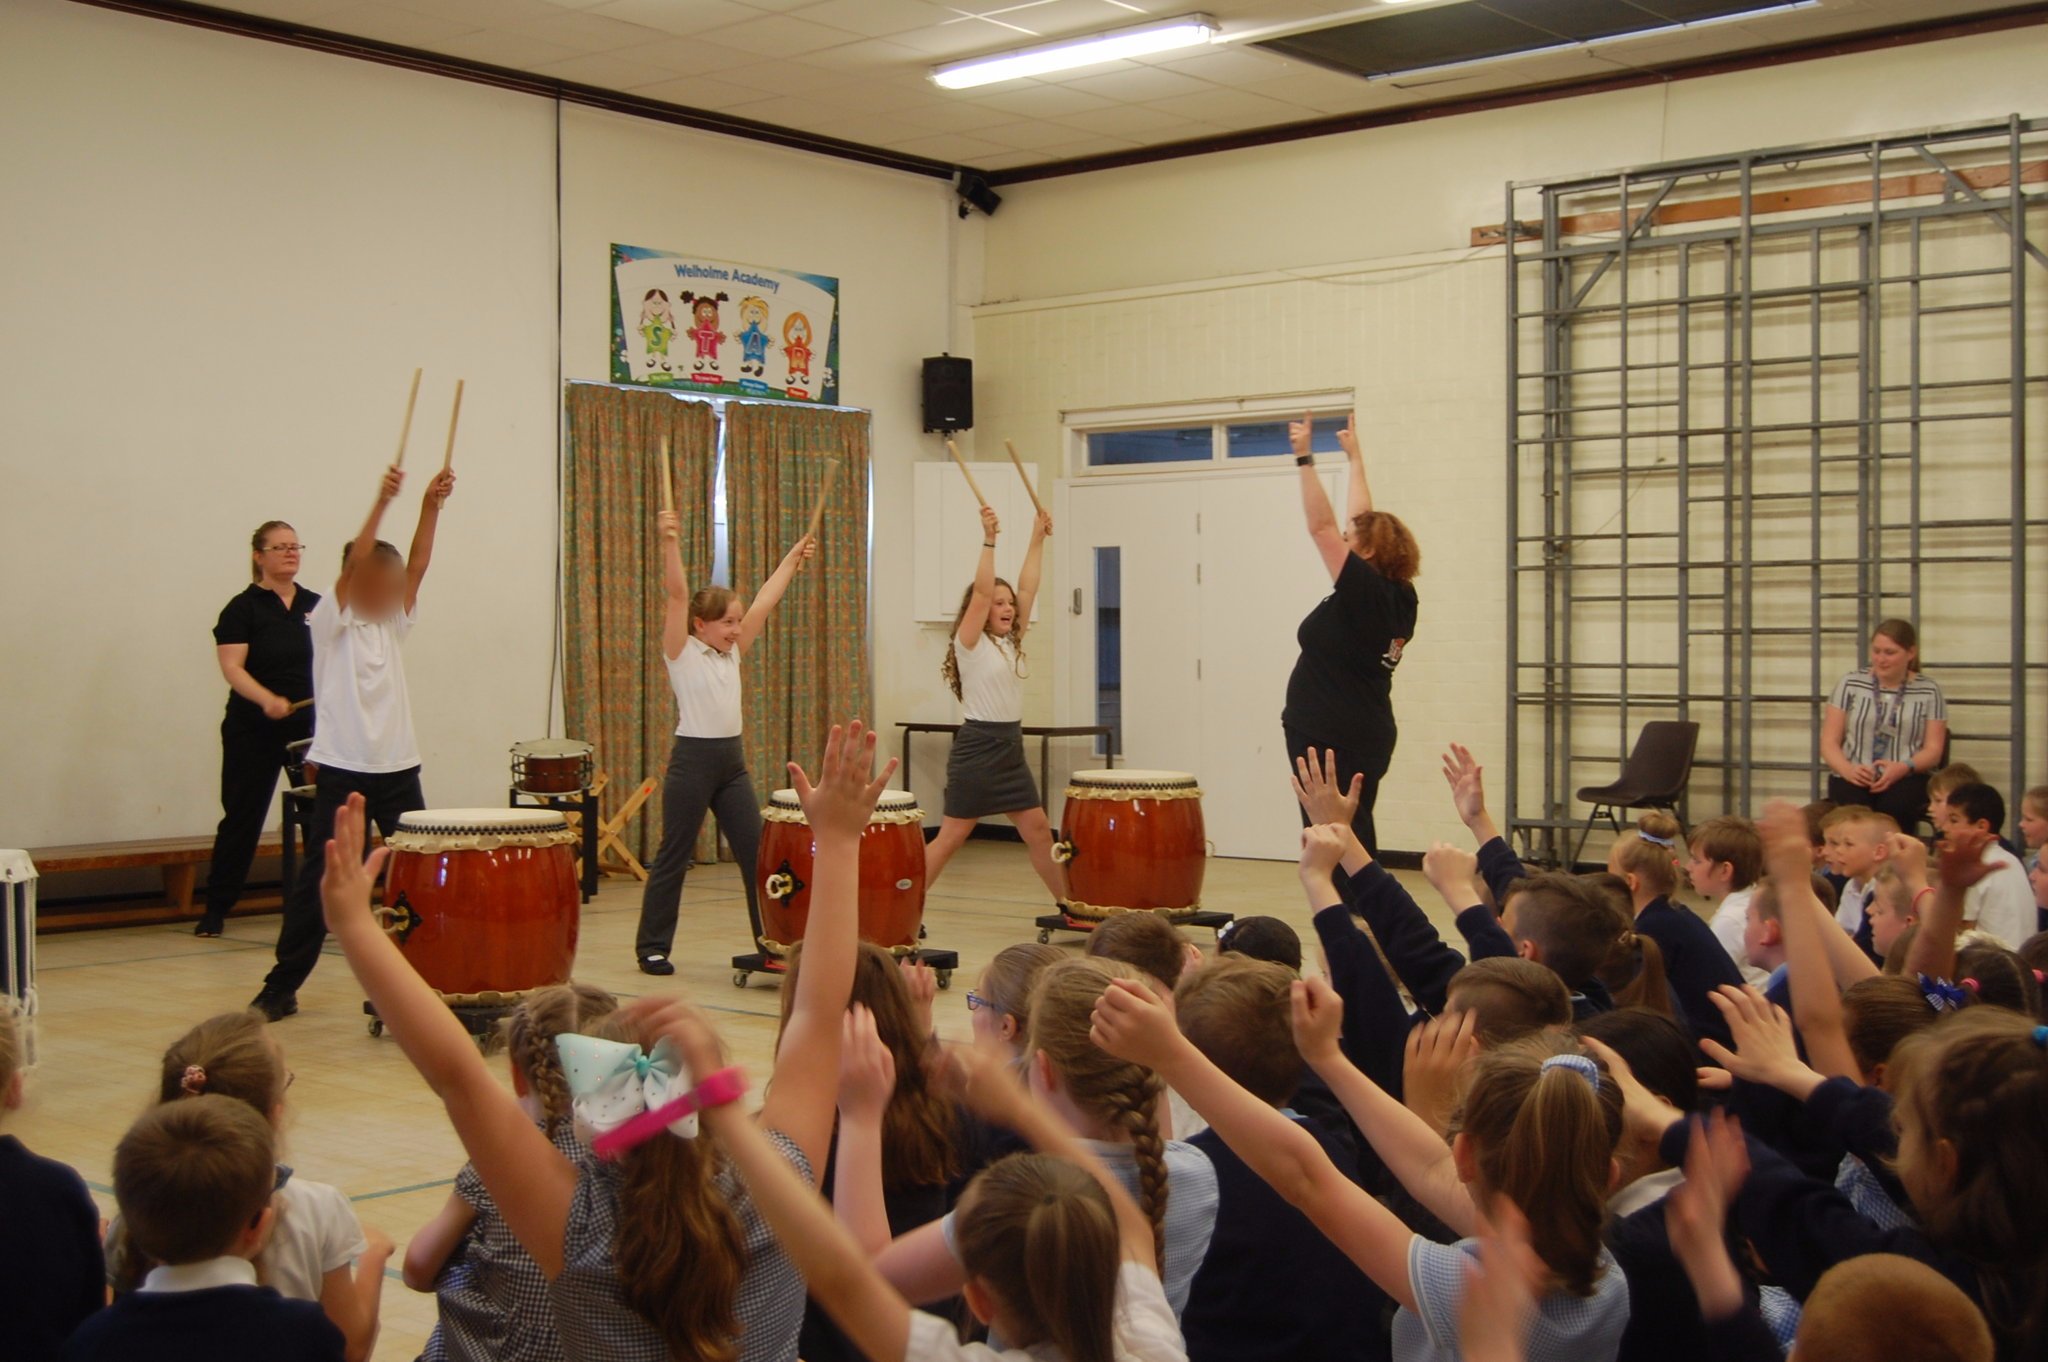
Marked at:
<point>1344,262</point>
<point>225,258</point>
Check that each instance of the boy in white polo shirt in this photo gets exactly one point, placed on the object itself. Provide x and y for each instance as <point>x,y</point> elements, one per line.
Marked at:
<point>2002,903</point>
<point>362,731</point>
<point>1727,859</point>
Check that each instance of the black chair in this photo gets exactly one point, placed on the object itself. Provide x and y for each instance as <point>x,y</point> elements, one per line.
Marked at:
<point>1654,777</point>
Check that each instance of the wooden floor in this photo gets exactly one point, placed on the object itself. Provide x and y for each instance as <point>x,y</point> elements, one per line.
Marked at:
<point>361,1119</point>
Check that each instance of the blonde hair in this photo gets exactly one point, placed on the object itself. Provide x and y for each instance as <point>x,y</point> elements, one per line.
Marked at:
<point>529,1032</point>
<point>1885,1305</point>
<point>1041,1234</point>
<point>1239,1012</point>
<point>949,670</point>
<point>1543,1135</point>
<point>1650,852</point>
<point>230,1055</point>
<point>257,544</point>
<point>1125,1095</point>
<point>1012,976</point>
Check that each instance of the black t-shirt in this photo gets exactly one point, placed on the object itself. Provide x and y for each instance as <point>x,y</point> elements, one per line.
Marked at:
<point>1343,682</point>
<point>280,645</point>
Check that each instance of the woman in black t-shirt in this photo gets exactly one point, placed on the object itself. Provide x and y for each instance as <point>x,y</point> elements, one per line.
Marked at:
<point>1340,696</point>
<point>266,655</point>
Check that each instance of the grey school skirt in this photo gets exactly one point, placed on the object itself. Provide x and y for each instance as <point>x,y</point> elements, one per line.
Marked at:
<point>987,773</point>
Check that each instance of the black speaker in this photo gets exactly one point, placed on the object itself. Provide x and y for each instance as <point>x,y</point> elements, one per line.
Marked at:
<point>948,393</point>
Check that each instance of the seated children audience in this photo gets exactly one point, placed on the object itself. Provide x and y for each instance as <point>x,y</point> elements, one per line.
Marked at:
<point>51,1273</point>
<point>1261,938</point>
<point>1893,907</point>
<point>2001,904</point>
<point>1883,1305</point>
<point>2034,823</point>
<point>999,1004</point>
<point>1726,862</point>
<point>1858,840</point>
<point>1694,961</point>
<point>1940,786</point>
<point>1147,941</point>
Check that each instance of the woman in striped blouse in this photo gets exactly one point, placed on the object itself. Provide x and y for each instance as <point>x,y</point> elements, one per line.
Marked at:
<point>1886,729</point>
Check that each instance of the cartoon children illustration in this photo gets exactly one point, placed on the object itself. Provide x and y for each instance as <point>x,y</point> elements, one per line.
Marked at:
<point>753,337</point>
<point>657,325</point>
<point>704,331</point>
<point>796,346</point>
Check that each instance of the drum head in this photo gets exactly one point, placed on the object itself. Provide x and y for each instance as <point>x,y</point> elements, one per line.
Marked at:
<point>552,747</point>
<point>480,822</point>
<point>1126,779</point>
<point>894,806</point>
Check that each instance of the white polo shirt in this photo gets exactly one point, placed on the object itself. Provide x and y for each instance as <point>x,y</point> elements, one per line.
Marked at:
<point>991,691</point>
<point>707,687</point>
<point>362,713</point>
<point>2002,903</point>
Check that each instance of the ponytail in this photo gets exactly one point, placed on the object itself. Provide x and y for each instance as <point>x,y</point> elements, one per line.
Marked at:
<point>529,1033</point>
<point>1635,974</point>
<point>1041,1233</point>
<point>1650,852</point>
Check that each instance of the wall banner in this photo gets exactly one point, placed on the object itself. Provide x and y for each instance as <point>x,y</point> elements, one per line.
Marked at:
<point>712,326</point>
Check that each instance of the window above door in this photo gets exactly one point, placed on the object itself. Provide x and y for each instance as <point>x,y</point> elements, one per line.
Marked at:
<point>1191,437</point>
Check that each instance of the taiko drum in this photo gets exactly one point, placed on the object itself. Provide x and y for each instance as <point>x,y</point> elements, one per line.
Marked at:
<point>1132,840</point>
<point>891,872</point>
<point>484,901</point>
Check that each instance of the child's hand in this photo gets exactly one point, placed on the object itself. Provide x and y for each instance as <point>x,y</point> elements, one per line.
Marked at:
<point>806,549</point>
<point>1347,438</point>
<point>1300,434</point>
<point>1452,872</point>
<point>923,985</point>
<point>1438,1053</point>
<point>990,526</point>
<point>1962,858</point>
<point>346,885</point>
<point>1131,1023</point>
<point>441,488</point>
<point>377,1245</point>
<point>1765,1051</point>
<point>839,805</point>
<point>1041,528</point>
<point>1787,853</point>
<point>1322,847</point>
<point>982,1076</point>
<point>688,1030</point>
<point>867,1071</point>
<point>668,525</point>
<point>1696,1214</point>
<point>1644,1115</point>
<point>1908,856</point>
<point>394,478</point>
<point>1317,1014</point>
<point>1321,796</point>
<point>1466,778</point>
<point>1501,1286</point>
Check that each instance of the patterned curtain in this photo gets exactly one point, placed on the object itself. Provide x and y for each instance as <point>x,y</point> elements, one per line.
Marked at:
<point>810,667</point>
<point>615,691</point>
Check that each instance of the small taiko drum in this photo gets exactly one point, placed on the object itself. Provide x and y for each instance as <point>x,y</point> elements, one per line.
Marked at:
<point>551,766</point>
<point>484,901</point>
<point>891,873</point>
<point>1132,840</point>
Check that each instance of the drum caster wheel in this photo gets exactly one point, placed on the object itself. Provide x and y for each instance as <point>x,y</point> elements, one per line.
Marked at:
<point>945,978</point>
<point>739,978</point>
<point>376,1027</point>
<point>1044,936</point>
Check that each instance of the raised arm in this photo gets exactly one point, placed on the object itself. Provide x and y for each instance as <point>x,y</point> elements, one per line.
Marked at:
<point>975,616</point>
<point>1807,925</point>
<point>525,1174</point>
<point>771,592</point>
<point>234,668</point>
<point>1315,501</point>
<point>675,586</point>
<point>365,542</point>
<point>1032,571</point>
<point>1962,865</point>
<point>803,1094</point>
<point>867,1079</point>
<point>1358,491</point>
<point>1467,779</point>
<point>423,535</point>
<point>1133,1025</point>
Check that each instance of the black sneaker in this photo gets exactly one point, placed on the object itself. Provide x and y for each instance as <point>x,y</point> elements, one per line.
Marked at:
<point>275,1006</point>
<point>656,964</point>
<point>209,926</point>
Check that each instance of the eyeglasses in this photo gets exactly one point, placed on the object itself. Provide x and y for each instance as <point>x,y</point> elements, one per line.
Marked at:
<point>975,1003</point>
<point>285,548</point>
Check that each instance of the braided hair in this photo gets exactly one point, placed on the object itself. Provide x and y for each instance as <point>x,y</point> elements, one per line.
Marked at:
<point>529,1033</point>
<point>1123,1095</point>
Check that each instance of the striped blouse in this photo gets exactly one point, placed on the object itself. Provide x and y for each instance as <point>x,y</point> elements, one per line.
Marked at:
<point>1885,725</point>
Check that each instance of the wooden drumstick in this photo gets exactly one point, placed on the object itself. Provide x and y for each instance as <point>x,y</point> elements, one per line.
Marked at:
<point>454,414</point>
<point>818,511</point>
<point>967,475</point>
<point>405,430</point>
<point>298,705</point>
<point>1031,491</point>
<point>668,496</point>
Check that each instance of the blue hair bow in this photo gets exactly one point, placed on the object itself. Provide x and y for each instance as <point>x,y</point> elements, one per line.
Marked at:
<point>1944,996</point>
<point>612,1081</point>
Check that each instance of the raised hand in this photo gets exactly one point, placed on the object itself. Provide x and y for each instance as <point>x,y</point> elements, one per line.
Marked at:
<point>1787,853</point>
<point>1317,1014</point>
<point>1322,847</point>
<point>1316,786</point>
<point>1962,857</point>
<point>688,1029</point>
<point>1765,1051</point>
<point>1438,1053</point>
<point>1453,872</point>
<point>923,985</point>
<point>805,549</point>
<point>1347,438</point>
<point>1041,528</point>
<point>1644,1115</point>
<point>394,478</point>
<point>1131,1023</point>
<point>1696,1214</point>
<point>1501,1287</point>
<point>1466,777</point>
<point>668,525</point>
<point>346,884</point>
<point>1907,855</point>
<point>982,1076</point>
<point>843,798</point>
<point>867,1070</point>
<point>1301,434</point>
<point>440,488</point>
<point>990,526</point>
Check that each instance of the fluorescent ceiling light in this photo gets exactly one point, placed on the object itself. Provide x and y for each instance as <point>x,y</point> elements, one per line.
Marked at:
<point>1189,30</point>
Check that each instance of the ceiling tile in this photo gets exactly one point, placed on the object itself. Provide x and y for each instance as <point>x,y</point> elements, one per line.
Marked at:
<point>607,70</point>
<point>390,24</point>
<point>872,57</point>
<point>1138,83</point>
<point>483,14</point>
<point>1028,134</point>
<point>968,38</point>
<point>666,16</point>
<point>1324,91</point>
<point>691,56</point>
<point>876,18</point>
<point>779,35</point>
<point>498,47</point>
<point>1064,18</point>
<point>1043,101</point>
<point>947,146</point>
<point>954,116</point>
<point>1004,160</point>
<point>875,130</point>
<point>1234,107</point>
<point>291,11</point>
<point>1085,146</point>
<point>791,112</point>
<point>1122,120</point>
<point>785,77</point>
<point>702,92</point>
<point>1227,65</point>
<point>582,31</point>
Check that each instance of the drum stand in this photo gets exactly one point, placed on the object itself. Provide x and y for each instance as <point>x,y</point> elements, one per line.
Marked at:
<point>584,804</point>
<point>744,967</point>
<point>479,1019</point>
<point>1067,922</point>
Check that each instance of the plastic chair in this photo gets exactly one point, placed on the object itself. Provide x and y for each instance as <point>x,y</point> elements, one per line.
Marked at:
<point>1654,777</point>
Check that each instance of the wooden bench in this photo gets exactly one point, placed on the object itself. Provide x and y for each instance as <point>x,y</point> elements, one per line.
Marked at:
<point>177,859</point>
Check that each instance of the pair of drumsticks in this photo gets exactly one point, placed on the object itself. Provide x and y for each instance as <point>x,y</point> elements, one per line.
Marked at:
<point>1029,490</point>
<point>668,503</point>
<point>405,431</point>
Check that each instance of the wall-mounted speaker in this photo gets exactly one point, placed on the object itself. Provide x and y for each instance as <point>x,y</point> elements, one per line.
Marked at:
<point>948,393</point>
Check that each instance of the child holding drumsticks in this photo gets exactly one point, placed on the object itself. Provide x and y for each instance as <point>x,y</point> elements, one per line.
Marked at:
<point>363,741</point>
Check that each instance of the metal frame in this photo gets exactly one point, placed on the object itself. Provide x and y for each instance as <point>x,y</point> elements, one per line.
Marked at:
<point>1654,502</point>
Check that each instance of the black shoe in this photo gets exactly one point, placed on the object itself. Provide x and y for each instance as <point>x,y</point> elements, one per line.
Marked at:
<point>275,1006</point>
<point>209,926</point>
<point>656,964</point>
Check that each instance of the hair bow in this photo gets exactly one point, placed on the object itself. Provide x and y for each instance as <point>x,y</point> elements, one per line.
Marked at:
<point>1944,996</point>
<point>613,1081</point>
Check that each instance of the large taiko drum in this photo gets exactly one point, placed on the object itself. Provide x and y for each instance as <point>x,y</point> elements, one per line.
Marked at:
<point>891,873</point>
<point>484,901</point>
<point>1132,840</point>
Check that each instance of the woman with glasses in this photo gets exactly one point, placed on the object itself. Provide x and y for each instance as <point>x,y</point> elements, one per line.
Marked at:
<point>266,655</point>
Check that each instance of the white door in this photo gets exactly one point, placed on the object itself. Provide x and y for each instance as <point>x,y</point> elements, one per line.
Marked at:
<point>1132,649</point>
<point>1259,576</point>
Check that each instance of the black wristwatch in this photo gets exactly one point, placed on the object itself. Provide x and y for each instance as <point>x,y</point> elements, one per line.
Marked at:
<point>1304,460</point>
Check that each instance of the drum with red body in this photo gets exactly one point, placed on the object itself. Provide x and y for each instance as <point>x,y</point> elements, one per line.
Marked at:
<point>1132,840</point>
<point>891,873</point>
<point>552,766</point>
<point>484,901</point>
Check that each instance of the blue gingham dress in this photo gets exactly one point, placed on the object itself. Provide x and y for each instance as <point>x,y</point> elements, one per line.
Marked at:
<point>596,1323</point>
<point>493,1297</point>
<point>1566,1329</point>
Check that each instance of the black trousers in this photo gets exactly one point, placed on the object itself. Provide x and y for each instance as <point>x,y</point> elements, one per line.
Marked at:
<point>705,775</point>
<point>388,794</point>
<point>1359,756</point>
<point>252,752</point>
<point>1906,801</point>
